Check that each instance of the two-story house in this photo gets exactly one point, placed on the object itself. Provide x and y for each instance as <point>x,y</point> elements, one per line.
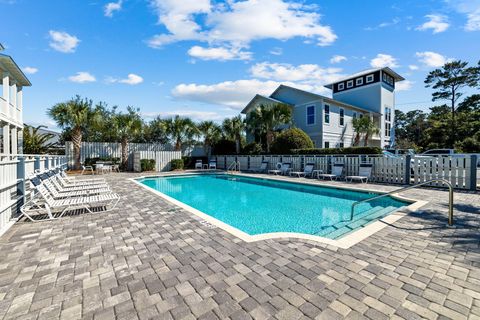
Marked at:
<point>328,121</point>
<point>11,105</point>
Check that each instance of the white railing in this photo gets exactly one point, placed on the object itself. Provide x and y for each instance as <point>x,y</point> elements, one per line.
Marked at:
<point>15,171</point>
<point>459,170</point>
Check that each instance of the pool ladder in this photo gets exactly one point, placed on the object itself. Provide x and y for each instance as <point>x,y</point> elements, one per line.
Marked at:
<point>450,197</point>
<point>234,167</point>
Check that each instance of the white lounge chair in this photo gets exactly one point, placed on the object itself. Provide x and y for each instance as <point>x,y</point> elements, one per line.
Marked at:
<point>337,171</point>
<point>50,204</point>
<point>72,181</point>
<point>307,171</point>
<point>59,192</point>
<point>199,164</point>
<point>364,173</point>
<point>283,169</point>
<point>262,169</point>
<point>87,168</point>
<point>212,164</point>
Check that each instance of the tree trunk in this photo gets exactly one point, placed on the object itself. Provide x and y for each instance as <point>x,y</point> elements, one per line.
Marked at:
<point>367,136</point>
<point>237,145</point>
<point>454,133</point>
<point>269,139</point>
<point>178,145</point>
<point>77,144</point>
<point>356,141</point>
<point>124,154</point>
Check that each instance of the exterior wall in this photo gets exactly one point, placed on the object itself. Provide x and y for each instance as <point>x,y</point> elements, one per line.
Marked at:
<point>333,132</point>
<point>300,120</point>
<point>388,101</point>
<point>11,114</point>
<point>366,97</point>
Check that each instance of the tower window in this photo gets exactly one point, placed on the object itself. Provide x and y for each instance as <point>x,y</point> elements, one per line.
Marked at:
<point>349,83</point>
<point>341,86</point>
<point>359,81</point>
<point>370,78</point>
<point>310,115</point>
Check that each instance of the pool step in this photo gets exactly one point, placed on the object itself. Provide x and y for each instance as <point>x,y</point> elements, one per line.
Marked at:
<point>342,228</point>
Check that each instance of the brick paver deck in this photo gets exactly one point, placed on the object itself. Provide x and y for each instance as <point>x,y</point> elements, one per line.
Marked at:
<point>150,259</point>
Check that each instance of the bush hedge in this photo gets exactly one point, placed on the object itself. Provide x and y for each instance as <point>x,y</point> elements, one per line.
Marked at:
<point>252,148</point>
<point>176,164</point>
<point>147,164</point>
<point>349,150</point>
<point>289,140</point>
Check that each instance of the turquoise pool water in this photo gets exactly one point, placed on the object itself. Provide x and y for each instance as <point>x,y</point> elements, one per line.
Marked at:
<point>257,206</point>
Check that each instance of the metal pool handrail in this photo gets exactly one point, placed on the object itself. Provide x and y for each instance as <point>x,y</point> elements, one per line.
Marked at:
<point>450,197</point>
<point>234,166</point>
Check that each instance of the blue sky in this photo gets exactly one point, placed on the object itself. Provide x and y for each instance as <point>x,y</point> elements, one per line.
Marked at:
<point>206,59</point>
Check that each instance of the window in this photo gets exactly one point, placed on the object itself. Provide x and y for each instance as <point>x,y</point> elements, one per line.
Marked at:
<point>388,128</point>
<point>342,117</point>
<point>310,115</point>
<point>326,144</point>
<point>341,86</point>
<point>359,81</point>
<point>326,113</point>
<point>388,121</point>
<point>349,83</point>
<point>370,78</point>
<point>354,115</point>
<point>341,145</point>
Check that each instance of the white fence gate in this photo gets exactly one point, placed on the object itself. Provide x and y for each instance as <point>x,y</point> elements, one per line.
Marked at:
<point>15,171</point>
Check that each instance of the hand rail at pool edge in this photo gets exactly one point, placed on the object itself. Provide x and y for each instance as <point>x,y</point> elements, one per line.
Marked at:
<point>450,197</point>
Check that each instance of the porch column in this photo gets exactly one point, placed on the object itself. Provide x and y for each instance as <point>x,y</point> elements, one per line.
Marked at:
<point>6,138</point>
<point>19,104</point>
<point>6,92</point>
<point>13,97</point>
<point>20,140</point>
<point>14,141</point>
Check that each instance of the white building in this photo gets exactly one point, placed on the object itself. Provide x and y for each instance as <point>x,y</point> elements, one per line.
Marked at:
<point>11,105</point>
<point>328,121</point>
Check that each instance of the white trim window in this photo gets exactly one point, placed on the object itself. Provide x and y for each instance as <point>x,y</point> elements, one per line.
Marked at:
<point>342,117</point>
<point>326,114</point>
<point>359,81</point>
<point>388,121</point>
<point>341,145</point>
<point>370,78</point>
<point>341,86</point>
<point>349,83</point>
<point>326,144</point>
<point>354,115</point>
<point>310,115</point>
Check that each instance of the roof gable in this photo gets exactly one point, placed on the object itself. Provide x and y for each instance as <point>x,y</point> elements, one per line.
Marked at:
<point>258,100</point>
<point>294,96</point>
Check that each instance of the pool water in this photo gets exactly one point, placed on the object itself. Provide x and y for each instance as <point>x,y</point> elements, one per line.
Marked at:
<point>257,206</point>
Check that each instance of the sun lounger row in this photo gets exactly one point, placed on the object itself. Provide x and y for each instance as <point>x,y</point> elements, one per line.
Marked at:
<point>212,164</point>
<point>55,194</point>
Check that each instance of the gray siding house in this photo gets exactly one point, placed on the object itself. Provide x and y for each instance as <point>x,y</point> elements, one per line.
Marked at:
<point>328,121</point>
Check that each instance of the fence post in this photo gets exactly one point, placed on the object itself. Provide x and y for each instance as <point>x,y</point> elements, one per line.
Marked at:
<point>21,182</point>
<point>36,164</point>
<point>473,172</point>
<point>46,162</point>
<point>408,168</point>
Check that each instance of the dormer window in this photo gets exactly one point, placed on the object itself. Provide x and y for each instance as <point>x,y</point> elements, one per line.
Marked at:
<point>359,81</point>
<point>370,78</point>
<point>341,86</point>
<point>349,83</point>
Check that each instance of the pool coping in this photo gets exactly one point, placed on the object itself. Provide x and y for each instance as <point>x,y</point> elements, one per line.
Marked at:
<point>345,242</point>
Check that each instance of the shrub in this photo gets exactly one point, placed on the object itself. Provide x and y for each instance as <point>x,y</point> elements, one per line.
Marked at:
<point>252,148</point>
<point>147,164</point>
<point>189,162</point>
<point>92,161</point>
<point>177,164</point>
<point>349,150</point>
<point>224,146</point>
<point>289,140</point>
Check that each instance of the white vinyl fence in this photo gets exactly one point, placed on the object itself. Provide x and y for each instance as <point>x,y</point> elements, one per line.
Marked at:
<point>162,159</point>
<point>459,170</point>
<point>15,171</point>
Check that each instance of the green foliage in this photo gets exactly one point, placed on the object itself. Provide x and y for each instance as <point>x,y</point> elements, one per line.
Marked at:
<point>92,161</point>
<point>189,162</point>
<point>363,127</point>
<point>147,164</point>
<point>350,150</point>
<point>224,146</point>
<point>177,164</point>
<point>180,131</point>
<point>211,133</point>
<point>35,142</point>
<point>252,148</point>
<point>289,140</point>
<point>233,129</point>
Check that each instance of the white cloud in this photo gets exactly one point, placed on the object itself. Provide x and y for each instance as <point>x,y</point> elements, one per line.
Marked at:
<point>111,7</point>
<point>404,85</point>
<point>471,8</point>
<point>431,59</point>
<point>277,51</point>
<point>384,24</point>
<point>30,70</point>
<point>82,77</point>
<point>63,42</point>
<point>237,24</point>
<point>384,60</point>
<point>436,22</point>
<point>305,72</point>
<point>413,67</point>
<point>337,59</point>
<point>132,79</point>
<point>219,53</point>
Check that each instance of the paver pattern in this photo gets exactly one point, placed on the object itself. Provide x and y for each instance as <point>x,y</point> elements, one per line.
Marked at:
<point>149,259</point>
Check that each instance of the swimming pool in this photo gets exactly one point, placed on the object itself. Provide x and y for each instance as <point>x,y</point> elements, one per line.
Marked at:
<point>258,206</point>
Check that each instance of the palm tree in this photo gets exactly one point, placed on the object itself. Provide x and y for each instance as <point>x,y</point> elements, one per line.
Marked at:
<point>365,127</point>
<point>233,129</point>
<point>35,142</point>
<point>75,115</point>
<point>357,125</point>
<point>180,131</point>
<point>127,126</point>
<point>211,133</point>
<point>370,130</point>
<point>265,119</point>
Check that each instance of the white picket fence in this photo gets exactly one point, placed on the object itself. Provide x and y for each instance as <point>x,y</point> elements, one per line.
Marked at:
<point>459,170</point>
<point>162,159</point>
<point>15,171</point>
